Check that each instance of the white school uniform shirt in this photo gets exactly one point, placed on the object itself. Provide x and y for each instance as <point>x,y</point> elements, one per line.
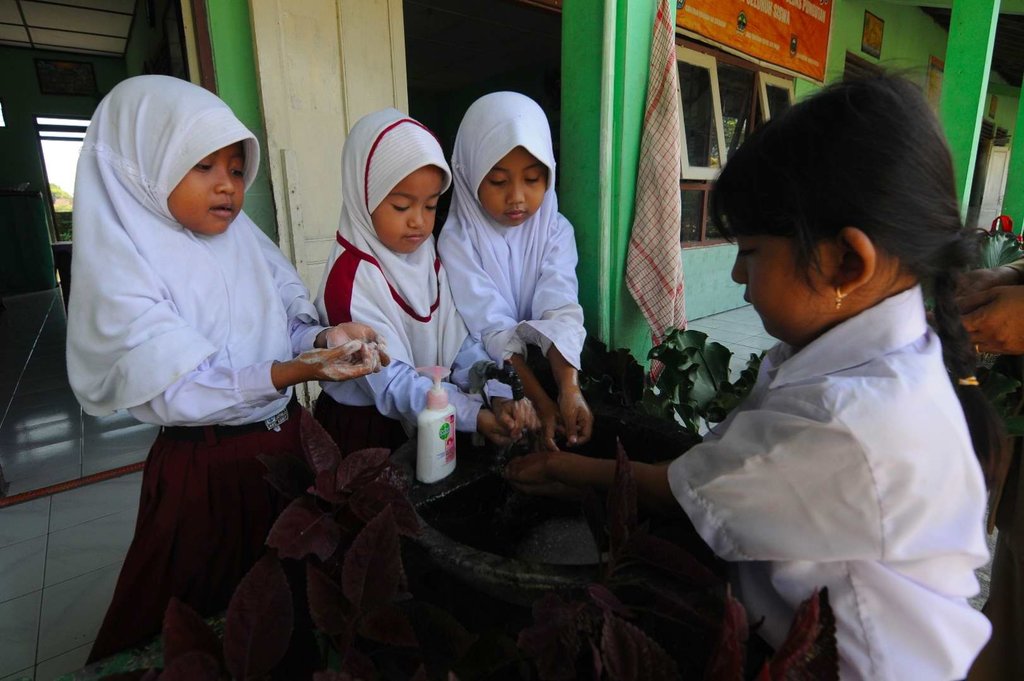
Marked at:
<point>405,297</point>
<point>514,286</point>
<point>850,467</point>
<point>176,327</point>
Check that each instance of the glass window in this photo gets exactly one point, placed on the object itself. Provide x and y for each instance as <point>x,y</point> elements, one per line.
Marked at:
<point>737,93</point>
<point>692,222</point>
<point>778,99</point>
<point>699,113</point>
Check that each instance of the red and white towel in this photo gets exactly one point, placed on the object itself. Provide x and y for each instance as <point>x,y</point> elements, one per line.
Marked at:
<point>654,267</point>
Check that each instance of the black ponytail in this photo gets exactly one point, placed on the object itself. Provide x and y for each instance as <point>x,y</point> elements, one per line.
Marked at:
<point>871,154</point>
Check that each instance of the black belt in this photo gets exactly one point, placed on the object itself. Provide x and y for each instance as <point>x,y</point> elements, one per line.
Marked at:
<point>214,433</point>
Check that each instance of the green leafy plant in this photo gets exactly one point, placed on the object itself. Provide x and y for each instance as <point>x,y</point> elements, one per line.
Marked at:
<point>694,382</point>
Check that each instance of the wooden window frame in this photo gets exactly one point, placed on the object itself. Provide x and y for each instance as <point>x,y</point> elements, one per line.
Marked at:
<point>700,178</point>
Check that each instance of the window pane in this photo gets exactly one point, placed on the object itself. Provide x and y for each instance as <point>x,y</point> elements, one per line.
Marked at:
<point>698,116</point>
<point>737,92</point>
<point>778,100</point>
<point>693,214</point>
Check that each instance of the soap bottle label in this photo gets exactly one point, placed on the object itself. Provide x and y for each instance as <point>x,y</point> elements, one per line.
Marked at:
<point>447,433</point>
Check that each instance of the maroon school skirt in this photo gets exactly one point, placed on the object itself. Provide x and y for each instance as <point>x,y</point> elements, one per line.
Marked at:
<point>203,518</point>
<point>355,428</point>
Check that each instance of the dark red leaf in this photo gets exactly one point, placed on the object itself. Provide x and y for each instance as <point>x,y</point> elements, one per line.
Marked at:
<point>358,666</point>
<point>606,600</point>
<point>420,675</point>
<point>302,529</point>
<point>370,500</point>
<point>730,652</point>
<point>802,632</point>
<point>820,660</point>
<point>394,476</point>
<point>621,504</point>
<point>331,675</point>
<point>326,487</point>
<point>289,475</point>
<point>319,448</point>
<point>553,641</point>
<point>439,632</point>
<point>185,631</point>
<point>362,467</point>
<point>258,624</point>
<point>372,569</point>
<point>330,611</point>
<point>192,666</point>
<point>664,555</point>
<point>628,654</point>
<point>388,624</point>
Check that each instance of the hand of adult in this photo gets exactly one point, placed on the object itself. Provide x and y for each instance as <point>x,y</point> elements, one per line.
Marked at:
<point>996,319</point>
<point>976,281</point>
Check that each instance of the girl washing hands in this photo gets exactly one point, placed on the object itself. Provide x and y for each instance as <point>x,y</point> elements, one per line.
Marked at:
<point>512,257</point>
<point>186,315</point>
<point>384,271</point>
<point>852,464</point>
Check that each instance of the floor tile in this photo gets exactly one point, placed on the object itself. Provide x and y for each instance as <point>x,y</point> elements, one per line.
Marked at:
<point>24,521</point>
<point>73,610</point>
<point>89,546</point>
<point>30,386</point>
<point>77,506</point>
<point>110,449</point>
<point>21,437</point>
<point>50,476</point>
<point>19,622</point>
<point>25,463</point>
<point>28,411</point>
<point>23,675</point>
<point>21,568</point>
<point>55,667</point>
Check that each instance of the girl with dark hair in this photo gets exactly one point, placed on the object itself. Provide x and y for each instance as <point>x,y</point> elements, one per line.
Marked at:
<point>852,463</point>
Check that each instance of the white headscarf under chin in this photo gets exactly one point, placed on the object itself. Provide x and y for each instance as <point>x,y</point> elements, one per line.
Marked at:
<point>381,150</point>
<point>151,300</point>
<point>485,257</point>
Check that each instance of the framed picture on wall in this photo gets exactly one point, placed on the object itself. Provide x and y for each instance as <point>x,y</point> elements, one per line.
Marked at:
<point>871,38</point>
<point>61,77</point>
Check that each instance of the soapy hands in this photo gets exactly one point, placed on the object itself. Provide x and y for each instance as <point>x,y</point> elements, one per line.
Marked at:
<point>570,418</point>
<point>339,353</point>
<point>507,420</point>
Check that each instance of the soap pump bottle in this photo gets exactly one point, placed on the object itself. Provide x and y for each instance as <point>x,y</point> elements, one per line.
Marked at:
<point>435,434</point>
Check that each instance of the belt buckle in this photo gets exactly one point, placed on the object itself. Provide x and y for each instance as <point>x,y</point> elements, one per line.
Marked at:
<point>275,421</point>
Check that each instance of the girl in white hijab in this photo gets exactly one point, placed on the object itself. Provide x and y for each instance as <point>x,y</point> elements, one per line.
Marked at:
<point>384,271</point>
<point>512,256</point>
<point>186,315</point>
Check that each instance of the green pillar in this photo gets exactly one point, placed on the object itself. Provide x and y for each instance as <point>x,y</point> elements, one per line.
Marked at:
<point>972,33</point>
<point>605,58</point>
<point>1013,198</point>
<point>234,65</point>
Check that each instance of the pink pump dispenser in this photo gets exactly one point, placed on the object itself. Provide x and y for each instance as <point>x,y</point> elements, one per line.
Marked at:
<point>435,431</point>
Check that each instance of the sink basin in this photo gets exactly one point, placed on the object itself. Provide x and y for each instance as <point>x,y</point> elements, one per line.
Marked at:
<point>511,546</point>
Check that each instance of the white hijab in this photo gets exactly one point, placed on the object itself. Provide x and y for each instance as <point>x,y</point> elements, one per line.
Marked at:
<point>497,272</point>
<point>381,150</point>
<point>152,300</point>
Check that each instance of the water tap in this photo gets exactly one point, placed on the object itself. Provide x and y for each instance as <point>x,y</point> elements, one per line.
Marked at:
<point>486,370</point>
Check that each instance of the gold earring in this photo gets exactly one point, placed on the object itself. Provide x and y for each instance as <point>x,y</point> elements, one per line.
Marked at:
<point>839,298</point>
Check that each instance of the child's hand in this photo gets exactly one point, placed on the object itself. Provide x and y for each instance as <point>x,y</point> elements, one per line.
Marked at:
<point>517,415</point>
<point>336,336</point>
<point>488,425</point>
<point>577,418</point>
<point>351,360</point>
<point>531,474</point>
<point>547,413</point>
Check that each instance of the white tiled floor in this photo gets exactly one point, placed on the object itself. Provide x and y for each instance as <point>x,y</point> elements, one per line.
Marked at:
<point>59,554</point>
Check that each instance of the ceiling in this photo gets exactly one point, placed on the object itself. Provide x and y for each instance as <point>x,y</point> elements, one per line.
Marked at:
<point>86,26</point>
<point>1008,55</point>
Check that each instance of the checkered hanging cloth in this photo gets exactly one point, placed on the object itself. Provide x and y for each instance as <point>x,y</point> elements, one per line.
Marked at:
<point>654,266</point>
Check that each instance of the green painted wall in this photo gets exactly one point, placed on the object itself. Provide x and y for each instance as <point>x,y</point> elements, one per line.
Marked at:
<point>237,84</point>
<point>22,102</point>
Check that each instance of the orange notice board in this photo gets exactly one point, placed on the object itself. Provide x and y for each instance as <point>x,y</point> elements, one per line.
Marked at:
<point>789,33</point>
